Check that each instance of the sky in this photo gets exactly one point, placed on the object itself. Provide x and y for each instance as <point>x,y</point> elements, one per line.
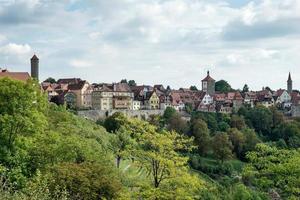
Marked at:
<point>170,42</point>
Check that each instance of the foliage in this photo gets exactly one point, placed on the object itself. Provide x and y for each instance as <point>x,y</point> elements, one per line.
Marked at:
<point>169,113</point>
<point>222,86</point>
<point>222,146</point>
<point>114,122</point>
<point>123,81</point>
<point>87,180</point>
<point>121,144</point>
<point>237,122</point>
<point>50,80</point>
<point>245,88</point>
<point>193,88</point>
<point>131,83</point>
<point>200,132</point>
<point>165,167</point>
<point>176,123</point>
<point>271,168</point>
<point>22,108</point>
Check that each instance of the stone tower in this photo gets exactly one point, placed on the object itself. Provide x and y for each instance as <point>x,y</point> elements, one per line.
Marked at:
<point>208,84</point>
<point>35,67</point>
<point>289,84</point>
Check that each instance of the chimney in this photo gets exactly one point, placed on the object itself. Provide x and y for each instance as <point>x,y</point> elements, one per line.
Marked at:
<point>35,67</point>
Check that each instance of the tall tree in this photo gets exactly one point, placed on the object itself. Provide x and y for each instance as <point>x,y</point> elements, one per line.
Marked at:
<point>193,88</point>
<point>237,122</point>
<point>167,168</point>
<point>131,83</point>
<point>245,88</point>
<point>50,80</point>
<point>201,135</point>
<point>238,140</point>
<point>222,86</point>
<point>123,81</point>
<point>222,147</point>
<point>121,144</point>
<point>22,108</point>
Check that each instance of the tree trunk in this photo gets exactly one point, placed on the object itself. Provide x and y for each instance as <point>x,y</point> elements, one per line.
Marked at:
<point>118,161</point>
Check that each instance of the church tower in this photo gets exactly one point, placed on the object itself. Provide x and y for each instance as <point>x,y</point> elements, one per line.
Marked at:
<point>289,84</point>
<point>208,84</point>
<point>35,67</point>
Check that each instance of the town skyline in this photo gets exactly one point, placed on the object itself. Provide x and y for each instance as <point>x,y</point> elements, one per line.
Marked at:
<point>165,42</point>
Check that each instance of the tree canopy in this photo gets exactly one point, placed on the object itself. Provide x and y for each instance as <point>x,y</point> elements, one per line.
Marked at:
<point>222,86</point>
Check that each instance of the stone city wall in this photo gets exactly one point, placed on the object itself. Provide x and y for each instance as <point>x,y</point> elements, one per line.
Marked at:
<point>100,114</point>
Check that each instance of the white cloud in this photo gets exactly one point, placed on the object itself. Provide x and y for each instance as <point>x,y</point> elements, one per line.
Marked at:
<point>168,41</point>
<point>15,49</point>
<point>2,38</point>
<point>80,63</point>
<point>95,35</point>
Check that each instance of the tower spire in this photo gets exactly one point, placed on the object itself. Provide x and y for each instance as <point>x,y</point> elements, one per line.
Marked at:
<point>289,83</point>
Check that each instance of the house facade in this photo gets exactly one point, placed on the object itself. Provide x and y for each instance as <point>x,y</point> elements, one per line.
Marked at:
<point>112,96</point>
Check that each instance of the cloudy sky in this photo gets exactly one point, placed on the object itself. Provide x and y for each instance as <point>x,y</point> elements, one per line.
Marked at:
<point>173,42</point>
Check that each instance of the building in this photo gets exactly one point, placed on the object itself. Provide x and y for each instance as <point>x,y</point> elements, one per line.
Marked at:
<point>82,91</point>
<point>112,96</point>
<point>265,98</point>
<point>20,76</point>
<point>23,76</point>
<point>34,67</point>
<point>250,98</point>
<point>208,84</point>
<point>283,98</point>
<point>152,100</point>
<point>289,84</point>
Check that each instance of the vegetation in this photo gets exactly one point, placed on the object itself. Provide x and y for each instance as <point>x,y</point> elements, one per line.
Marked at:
<point>47,152</point>
<point>223,86</point>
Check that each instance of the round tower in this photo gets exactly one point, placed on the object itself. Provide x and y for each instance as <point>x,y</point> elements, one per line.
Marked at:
<point>35,67</point>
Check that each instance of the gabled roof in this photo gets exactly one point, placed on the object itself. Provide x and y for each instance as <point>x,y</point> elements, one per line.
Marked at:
<point>21,76</point>
<point>68,81</point>
<point>279,92</point>
<point>77,86</point>
<point>121,87</point>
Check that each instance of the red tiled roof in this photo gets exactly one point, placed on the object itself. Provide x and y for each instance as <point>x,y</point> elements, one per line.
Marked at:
<point>21,76</point>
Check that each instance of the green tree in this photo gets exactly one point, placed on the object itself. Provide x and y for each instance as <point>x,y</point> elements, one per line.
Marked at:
<point>251,140</point>
<point>245,88</point>
<point>169,113</point>
<point>123,81</point>
<point>166,168</point>
<point>131,83</point>
<point>87,180</point>
<point>261,120</point>
<point>270,168</point>
<point>222,147</point>
<point>200,132</point>
<point>222,86</point>
<point>238,140</point>
<point>289,132</point>
<point>122,144</point>
<point>114,122</point>
<point>22,108</point>
<point>237,122</point>
<point>193,88</point>
<point>50,80</point>
<point>176,123</point>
